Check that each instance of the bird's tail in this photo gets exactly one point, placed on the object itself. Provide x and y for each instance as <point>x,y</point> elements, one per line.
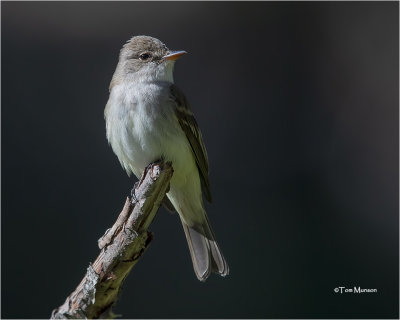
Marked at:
<point>204,250</point>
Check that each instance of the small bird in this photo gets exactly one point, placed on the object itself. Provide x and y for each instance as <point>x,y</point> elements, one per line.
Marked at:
<point>148,118</point>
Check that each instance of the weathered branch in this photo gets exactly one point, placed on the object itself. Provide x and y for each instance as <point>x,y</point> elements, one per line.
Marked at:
<point>121,247</point>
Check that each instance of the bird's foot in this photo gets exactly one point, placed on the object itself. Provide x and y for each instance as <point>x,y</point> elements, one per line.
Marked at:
<point>151,167</point>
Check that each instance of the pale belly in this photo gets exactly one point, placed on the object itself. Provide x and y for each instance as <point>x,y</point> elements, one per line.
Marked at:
<point>140,135</point>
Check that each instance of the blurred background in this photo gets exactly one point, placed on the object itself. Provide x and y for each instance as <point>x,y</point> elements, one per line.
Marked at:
<point>298,105</point>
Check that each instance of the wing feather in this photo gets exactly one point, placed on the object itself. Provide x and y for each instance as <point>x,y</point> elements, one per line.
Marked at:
<point>191,129</point>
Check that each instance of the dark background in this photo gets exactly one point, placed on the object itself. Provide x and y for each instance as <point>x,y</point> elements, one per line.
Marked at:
<point>298,104</point>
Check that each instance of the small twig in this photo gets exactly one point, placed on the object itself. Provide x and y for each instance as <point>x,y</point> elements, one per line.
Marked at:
<point>121,247</point>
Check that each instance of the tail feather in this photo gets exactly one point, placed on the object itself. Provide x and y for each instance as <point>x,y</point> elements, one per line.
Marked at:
<point>205,252</point>
<point>219,264</point>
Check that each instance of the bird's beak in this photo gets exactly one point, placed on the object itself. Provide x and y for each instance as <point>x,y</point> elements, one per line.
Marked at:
<point>173,55</point>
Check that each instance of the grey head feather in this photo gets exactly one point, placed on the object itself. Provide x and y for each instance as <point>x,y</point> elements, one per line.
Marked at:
<point>130,56</point>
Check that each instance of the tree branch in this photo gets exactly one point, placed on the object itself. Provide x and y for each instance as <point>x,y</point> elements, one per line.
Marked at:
<point>121,247</point>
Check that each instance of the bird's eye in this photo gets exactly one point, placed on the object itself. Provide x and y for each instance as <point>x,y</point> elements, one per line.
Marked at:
<point>144,56</point>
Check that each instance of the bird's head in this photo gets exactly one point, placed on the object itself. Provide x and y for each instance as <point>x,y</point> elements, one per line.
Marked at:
<point>147,59</point>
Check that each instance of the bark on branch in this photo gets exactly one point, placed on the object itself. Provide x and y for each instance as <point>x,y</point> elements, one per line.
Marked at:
<point>121,247</point>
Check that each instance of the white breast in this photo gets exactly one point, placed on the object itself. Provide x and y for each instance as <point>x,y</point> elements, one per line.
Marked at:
<point>142,128</point>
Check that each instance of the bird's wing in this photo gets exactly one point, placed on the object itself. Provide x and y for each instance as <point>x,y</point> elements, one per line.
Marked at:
<point>191,129</point>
